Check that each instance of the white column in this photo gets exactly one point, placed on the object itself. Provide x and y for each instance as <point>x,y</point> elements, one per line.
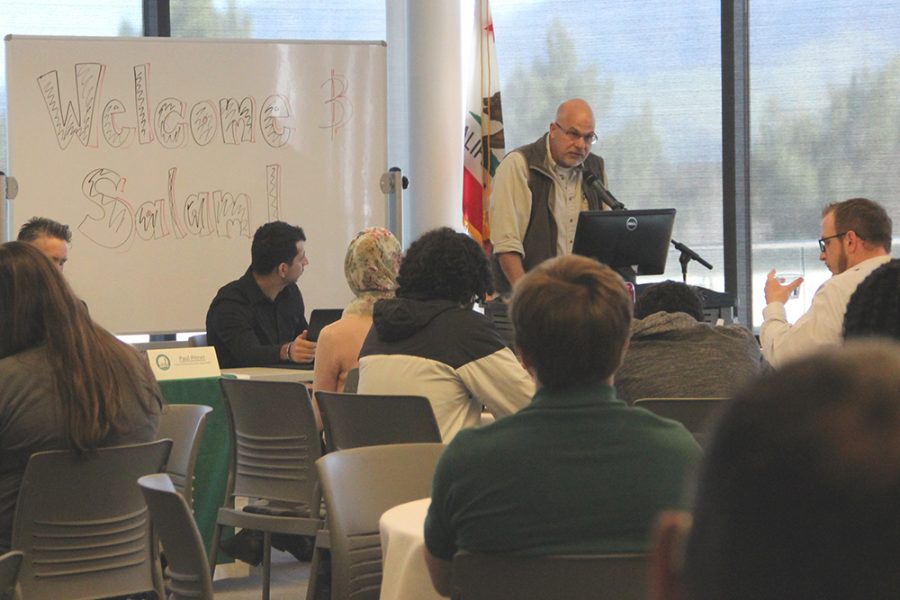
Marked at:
<point>398,99</point>
<point>435,122</point>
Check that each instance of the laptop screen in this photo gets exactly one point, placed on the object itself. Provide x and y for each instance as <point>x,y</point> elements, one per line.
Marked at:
<point>321,318</point>
<point>625,238</point>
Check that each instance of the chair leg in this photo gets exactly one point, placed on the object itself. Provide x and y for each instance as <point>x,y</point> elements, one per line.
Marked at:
<point>313,575</point>
<point>159,582</point>
<point>267,563</point>
<point>214,550</point>
<point>319,585</point>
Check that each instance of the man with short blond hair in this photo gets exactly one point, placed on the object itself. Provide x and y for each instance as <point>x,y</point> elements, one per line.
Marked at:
<point>577,471</point>
<point>855,240</point>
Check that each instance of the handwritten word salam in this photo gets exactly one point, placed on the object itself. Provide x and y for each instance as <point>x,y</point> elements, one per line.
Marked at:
<point>113,222</point>
<point>171,122</point>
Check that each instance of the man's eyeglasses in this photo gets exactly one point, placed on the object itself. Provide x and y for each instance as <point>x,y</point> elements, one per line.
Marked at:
<point>830,237</point>
<point>574,135</point>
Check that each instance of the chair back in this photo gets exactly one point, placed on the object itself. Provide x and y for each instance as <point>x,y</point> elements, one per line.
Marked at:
<point>183,424</point>
<point>351,383</point>
<point>9,573</point>
<point>83,526</point>
<point>696,414</point>
<point>583,577</point>
<point>275,443</point>
<point>187,568</point>
<point>198,340</point>
<point>498,313</point>
<point>355,420</point>
<point>359,485</point>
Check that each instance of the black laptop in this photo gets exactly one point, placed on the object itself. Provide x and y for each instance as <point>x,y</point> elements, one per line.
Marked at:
<point>318,320</point>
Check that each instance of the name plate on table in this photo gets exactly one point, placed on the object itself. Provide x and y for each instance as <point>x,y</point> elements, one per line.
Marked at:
<point>184,363</point>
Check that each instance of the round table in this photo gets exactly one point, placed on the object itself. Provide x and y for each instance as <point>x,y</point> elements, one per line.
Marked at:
<point>405,574</point>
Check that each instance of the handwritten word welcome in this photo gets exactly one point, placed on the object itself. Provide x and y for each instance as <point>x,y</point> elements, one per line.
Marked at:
<point>171,122</point>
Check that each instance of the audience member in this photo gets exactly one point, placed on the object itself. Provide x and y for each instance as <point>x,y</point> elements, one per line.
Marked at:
<point>577,471</point>
<point>428,341</point>
<point>371,266</point>
<point>856,239</point>
<point>65,382</point>
<point>49,237</point>
<point>259,319</point>
<point>539,189</point>
<point>874,308</point>
<point>674,354</point>
<point>798,492</point>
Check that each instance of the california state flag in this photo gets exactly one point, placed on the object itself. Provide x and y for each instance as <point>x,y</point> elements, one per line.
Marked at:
<point>483,137</point>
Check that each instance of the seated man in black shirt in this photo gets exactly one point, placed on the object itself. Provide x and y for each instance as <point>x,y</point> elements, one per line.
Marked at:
<point>258,320</point>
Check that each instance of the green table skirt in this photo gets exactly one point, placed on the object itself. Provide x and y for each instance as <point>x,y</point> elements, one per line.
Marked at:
<point>211,471</point>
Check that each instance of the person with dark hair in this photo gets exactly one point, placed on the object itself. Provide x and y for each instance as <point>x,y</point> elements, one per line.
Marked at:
<point>65,382</point>
<point>856,240</point>
<point>668,296</point>
<point>577,471</point>
<point>429,341</point>
<point>539,189</point>
<point>674,354</point>
<point>798,490</point>
<point>874,308</point>
<point>259,319</point>
<point>49,237</point>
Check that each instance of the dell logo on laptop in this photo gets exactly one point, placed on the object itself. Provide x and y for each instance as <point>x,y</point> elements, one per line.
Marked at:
<point>631,223</point>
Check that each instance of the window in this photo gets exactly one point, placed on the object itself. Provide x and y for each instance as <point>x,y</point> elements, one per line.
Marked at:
<point>62,17</point>
<point>825,126</point>
<point>652,73</point>
<point>274,19</point>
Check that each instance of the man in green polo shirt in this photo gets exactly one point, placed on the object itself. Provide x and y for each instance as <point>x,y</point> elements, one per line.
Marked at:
<point>577,471</point>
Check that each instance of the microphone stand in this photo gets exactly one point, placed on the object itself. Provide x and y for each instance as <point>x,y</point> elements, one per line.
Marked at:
<point>687,255</point>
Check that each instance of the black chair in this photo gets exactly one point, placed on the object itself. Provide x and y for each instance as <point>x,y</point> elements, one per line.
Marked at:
<point>352,381</point>
<point>498,312</point>
<point>575,577</point>
<point>696,414</point>
<point>355,420</point>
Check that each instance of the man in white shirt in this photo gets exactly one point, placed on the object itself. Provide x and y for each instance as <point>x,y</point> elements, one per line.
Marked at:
<point>539,189</point>
<point>856,240</point>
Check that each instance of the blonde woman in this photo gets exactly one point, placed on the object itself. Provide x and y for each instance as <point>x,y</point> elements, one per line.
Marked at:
<point>371,266</point>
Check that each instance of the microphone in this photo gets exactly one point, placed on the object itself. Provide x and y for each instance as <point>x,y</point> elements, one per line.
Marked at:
<point>605,195</point>
<point>691,255</point>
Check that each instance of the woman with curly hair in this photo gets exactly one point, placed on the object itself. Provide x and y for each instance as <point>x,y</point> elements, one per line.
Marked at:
<point>65,382</point>
<point>428,341</point>
<point>874,308</point>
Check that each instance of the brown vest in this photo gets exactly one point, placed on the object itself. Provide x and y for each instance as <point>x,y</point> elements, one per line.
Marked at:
<point>541,234</point>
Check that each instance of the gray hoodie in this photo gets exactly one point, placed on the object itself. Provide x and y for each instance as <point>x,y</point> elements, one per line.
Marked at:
<point>672,355</point>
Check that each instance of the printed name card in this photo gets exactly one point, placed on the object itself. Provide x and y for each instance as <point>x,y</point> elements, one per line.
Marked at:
<point>184,363</point>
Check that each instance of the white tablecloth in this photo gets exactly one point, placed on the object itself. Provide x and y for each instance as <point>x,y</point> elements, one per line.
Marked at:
<point>271,374</point>
<point>403,548</point>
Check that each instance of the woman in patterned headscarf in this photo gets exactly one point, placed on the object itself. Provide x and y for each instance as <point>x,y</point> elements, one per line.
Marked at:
<point>371,266</point>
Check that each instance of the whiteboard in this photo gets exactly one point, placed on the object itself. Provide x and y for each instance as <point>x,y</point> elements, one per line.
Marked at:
<point>165,155</point>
